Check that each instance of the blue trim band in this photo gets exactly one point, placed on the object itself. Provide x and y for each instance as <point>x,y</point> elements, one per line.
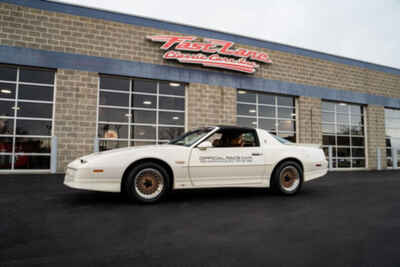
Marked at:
<point>50,59</point>
<point>191,30</point>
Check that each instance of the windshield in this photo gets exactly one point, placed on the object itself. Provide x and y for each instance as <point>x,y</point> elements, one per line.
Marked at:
<point>190,138</point>
<point>282,140</point>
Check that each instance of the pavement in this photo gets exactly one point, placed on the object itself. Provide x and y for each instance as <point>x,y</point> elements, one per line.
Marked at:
<point>342,219</point>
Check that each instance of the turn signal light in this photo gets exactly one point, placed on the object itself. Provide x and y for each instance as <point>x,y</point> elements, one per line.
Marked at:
<point>97,171</point>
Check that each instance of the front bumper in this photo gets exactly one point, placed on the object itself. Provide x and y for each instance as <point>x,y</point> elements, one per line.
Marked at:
<point>79,179</point>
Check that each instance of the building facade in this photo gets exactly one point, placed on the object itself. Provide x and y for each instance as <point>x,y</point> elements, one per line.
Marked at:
<point>74,80</point>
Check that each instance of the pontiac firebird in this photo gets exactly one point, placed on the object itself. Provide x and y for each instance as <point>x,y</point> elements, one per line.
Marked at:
<point>210,157</point>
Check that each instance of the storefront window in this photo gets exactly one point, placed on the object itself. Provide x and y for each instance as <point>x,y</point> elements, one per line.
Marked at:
<point>134,112</point>
<point>274,113</point>
<point>26,118</point>
<point>392,128</point>
<point>343,129</point>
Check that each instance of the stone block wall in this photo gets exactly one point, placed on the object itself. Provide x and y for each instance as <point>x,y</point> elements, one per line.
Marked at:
<point>210,105</point>
<point>375,116</point>
<point>76,97</point>
<point>309,120</point>
<point>55,31</point>
<point>75,116</point>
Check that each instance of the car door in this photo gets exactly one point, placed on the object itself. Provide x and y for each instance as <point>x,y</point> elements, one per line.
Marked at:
<point>227,165</point>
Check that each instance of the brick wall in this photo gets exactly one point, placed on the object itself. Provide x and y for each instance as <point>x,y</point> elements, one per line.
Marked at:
<point>375,134</point>
<point>27,27</point>
<point>75,117</point>
<point>210,105</point>
<point>77,91</point>
<point>309,120</point>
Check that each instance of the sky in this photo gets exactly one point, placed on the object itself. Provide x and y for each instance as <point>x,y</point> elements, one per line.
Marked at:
<point>367,30</point>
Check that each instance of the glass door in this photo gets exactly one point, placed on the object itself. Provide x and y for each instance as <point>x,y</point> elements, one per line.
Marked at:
<point>26,118</point>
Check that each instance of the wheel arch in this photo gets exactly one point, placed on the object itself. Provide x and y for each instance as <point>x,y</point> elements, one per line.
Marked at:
<point>149,159</point>
<point>285,160</point>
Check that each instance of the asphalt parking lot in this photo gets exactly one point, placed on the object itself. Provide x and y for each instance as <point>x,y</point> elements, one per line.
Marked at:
<point>343,219</point>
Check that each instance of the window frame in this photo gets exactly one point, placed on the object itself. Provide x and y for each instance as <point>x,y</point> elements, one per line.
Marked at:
<point>335,133</point>
<point>130,110</point>
<point>276,116</point>
<point>13,154</point>
<point>243,131</point>
<point>389,157</point>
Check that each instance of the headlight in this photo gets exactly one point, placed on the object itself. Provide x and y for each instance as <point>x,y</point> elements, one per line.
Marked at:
<point>83,161</point>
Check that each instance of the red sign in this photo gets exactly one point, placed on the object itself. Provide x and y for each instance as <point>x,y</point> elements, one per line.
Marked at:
<point>210,53</point>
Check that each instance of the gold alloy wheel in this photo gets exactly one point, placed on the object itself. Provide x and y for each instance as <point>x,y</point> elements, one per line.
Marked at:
<point>289,178</point>
<point>149,183</point>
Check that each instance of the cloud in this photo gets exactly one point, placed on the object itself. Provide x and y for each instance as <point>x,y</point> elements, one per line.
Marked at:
<point>365,30</point>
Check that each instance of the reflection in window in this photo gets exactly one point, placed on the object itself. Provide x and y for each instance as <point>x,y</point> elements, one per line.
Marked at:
<point>7,90</point>
<point>113,115</point>
<point>171,88</point>
<point>7,108</point>
<point>145,86</point>
<point>35,110</point>
<point>26,116</point>
<point>114,99</point>
<point>112,83</point>
<point>173,103</point>
<point>143,132</point>
<point>144,116</point>
<point>112,131</point>
<point>32,145</point>
<point>274,113</point>
<point>23,161</point>
<point>392,129</point>
<point>5,162</point>
<point>171,118</point>
<point>343,129</point>
<point>8,73</point>
<point>169,133</point>
<point>35,76</point>
<point>6,144</point>
<point>147,112</point>
<point>35,92</point>
<point>33,127</point>
<point>111,144</point>
<point>144,101</point>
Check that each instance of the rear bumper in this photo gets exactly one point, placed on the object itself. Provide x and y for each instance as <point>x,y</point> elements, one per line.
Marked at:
<point>319,170</point>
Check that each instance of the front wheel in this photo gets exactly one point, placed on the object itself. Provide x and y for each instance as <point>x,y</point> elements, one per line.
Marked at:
<point>288,178</point>
<point>147,183</point>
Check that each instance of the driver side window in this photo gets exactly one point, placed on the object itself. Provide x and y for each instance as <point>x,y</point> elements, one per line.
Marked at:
<point>234,138</point>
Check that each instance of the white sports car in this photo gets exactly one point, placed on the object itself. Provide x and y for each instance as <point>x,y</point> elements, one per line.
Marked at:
<point>218,156</point>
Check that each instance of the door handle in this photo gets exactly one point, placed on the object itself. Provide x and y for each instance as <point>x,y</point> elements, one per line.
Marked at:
<point>256,154</point>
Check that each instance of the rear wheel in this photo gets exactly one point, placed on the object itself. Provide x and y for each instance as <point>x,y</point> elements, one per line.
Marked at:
<point>147,183</point>
<point>288,178</point>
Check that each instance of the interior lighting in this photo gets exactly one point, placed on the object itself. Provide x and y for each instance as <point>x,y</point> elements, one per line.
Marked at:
<point>174,84</point>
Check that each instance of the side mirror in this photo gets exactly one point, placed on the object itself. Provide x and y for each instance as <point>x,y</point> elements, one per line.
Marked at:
<point>204,145</point>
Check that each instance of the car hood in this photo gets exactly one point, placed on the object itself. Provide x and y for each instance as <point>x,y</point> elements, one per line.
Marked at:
<point>151,149</point>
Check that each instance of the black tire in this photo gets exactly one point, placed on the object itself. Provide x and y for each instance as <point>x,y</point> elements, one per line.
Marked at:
<point>287,178</point>
<point>146,183</point>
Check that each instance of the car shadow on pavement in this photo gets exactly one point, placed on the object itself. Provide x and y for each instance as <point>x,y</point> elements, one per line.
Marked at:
<point>77,197</point>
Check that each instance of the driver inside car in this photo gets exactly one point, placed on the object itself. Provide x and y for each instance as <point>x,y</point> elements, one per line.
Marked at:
<point>229,140</point>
